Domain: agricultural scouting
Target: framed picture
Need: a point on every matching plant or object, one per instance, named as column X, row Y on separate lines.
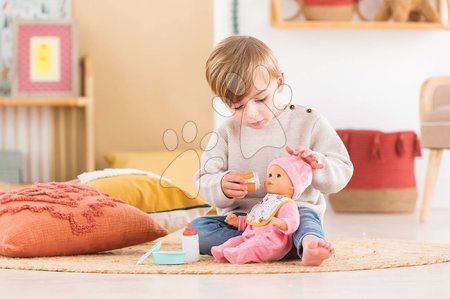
column 45, row 59
column 11, row 10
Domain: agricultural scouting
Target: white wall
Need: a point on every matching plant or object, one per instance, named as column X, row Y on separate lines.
column 356, row 78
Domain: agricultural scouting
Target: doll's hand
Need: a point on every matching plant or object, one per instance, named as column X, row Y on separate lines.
column 280, row 223
column 232, row 220
column 306, row 155
column 233, row 185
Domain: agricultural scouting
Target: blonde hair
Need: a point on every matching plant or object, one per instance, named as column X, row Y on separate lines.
column 230, row 67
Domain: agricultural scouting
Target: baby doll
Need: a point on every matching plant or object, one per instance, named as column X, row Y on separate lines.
column 269, row 226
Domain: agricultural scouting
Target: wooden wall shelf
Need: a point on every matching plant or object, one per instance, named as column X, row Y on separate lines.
column 278, row 21
column 37, row 102
column 86, row 105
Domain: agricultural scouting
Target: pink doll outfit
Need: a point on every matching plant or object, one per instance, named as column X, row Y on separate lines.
column 261, row 241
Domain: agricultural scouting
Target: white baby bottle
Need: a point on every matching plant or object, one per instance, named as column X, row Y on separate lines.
column 190, row 244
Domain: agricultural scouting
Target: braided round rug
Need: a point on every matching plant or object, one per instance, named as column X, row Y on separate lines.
column 351, row 255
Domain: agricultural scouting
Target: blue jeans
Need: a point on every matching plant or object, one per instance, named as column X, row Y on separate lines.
column 213, row 231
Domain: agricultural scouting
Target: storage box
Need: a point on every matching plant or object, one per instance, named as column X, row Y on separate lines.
column 383, row 179
column 10, row 167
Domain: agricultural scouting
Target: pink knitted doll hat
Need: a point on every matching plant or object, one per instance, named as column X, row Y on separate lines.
column 298, row 171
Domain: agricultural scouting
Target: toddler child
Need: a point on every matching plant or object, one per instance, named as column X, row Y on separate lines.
column 244, row 73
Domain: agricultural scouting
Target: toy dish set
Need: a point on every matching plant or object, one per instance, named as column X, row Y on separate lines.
column 169, row 257
column 190, row 252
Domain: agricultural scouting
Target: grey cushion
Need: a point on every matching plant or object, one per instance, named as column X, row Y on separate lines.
column 10, row 167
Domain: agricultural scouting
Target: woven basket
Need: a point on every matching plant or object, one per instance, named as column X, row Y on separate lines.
column 383, row 180
column 328, row 10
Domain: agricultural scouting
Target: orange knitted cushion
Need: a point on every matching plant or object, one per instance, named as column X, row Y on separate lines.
column 63, row 219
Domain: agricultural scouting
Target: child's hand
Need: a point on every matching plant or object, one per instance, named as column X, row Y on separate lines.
column 232, row 220
column 306, row 155
column 233, row 185
column 280, row 223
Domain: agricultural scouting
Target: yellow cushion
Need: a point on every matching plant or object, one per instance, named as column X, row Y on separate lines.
column 179, row 166
column 170, row 206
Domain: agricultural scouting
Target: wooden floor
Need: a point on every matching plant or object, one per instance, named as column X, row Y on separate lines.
column 411, row 282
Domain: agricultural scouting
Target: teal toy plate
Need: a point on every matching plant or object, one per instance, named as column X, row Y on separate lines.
column 168, row 257
column 142, row 259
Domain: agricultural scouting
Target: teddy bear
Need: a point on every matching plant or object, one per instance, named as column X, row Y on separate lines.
column 406, row 10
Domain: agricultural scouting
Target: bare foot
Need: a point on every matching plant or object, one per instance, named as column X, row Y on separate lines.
column 315, row 250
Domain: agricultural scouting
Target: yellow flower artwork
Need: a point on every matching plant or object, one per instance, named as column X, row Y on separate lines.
column 45, row 59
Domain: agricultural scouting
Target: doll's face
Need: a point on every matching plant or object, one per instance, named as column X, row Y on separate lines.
column 278, row 182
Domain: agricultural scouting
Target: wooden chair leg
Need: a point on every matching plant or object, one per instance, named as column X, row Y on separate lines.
column 434, row 161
